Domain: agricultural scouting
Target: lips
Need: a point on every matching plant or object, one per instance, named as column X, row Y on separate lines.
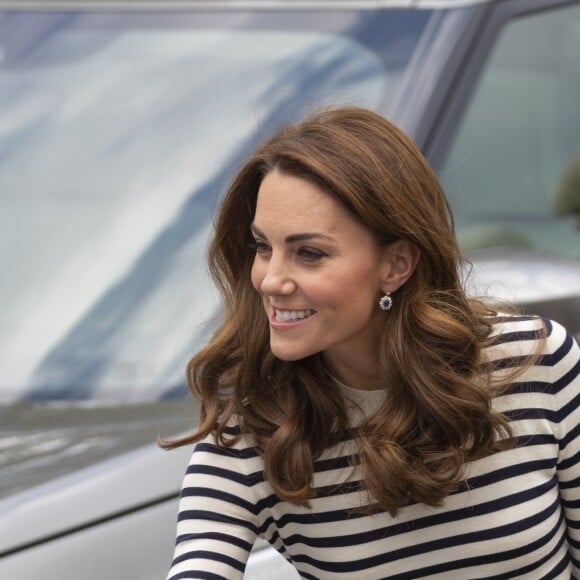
column 292, row 315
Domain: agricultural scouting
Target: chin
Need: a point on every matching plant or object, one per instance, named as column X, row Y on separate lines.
column 289, row 355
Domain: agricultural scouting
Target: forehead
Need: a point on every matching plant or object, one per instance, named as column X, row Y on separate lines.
column 288, row 201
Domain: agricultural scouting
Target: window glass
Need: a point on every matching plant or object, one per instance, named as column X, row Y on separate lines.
column 118, row 134
column 513, row 172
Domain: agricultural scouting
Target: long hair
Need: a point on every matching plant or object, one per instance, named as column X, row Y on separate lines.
column 438, row 414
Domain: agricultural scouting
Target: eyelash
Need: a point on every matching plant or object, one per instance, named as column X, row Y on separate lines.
column 259, row 247
column 311, row 255
column 308, row 255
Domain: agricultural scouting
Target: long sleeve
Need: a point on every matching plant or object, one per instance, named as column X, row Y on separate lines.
column 565, row 366
column 518, row 514
column 216, row 521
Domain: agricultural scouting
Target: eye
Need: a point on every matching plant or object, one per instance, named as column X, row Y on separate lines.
column 310, row 254
column 259, row 246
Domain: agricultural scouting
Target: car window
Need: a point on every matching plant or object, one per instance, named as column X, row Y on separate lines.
column 513, row 171
column 119, row 133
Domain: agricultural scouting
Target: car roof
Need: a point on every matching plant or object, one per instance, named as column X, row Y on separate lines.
column 165, row 5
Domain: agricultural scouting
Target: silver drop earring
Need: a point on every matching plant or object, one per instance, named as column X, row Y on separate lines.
column 386, row 301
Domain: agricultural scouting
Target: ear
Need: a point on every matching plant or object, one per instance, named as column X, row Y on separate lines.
column 400, row 260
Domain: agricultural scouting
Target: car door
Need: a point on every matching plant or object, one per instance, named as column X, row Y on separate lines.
column 507, row 147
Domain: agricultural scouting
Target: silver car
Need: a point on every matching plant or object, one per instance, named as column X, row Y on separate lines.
column 121, row 124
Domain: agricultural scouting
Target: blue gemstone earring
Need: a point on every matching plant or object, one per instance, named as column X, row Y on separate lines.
column 386, row 301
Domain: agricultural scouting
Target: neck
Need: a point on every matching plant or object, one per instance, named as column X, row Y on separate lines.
column 363, row 375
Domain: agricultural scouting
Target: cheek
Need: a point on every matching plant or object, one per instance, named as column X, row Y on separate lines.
column 360, row 287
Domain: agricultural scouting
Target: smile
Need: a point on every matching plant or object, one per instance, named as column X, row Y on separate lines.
column 288, row 315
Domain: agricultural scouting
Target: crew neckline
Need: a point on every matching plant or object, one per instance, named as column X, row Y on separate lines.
column 348, row 389
column 361, row 403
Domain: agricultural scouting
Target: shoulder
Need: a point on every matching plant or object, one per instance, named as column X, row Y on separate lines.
column 234, row 452
column 512, row 328
column 560, row 346
column 527, row 335
column 553, row 349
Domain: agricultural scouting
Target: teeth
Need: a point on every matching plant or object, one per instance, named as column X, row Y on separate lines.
column 286, row 315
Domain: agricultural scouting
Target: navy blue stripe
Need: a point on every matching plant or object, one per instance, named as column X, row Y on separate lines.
column 197, row 576
column 567, row 464
column 526, row 386
column 535, row 440
column 250, row 453
column 245, row 453
column 341, row 463
column 208, row 555
column 241, row 478
column 508, row 362
column 566, row 380
column 508, row 472
column 339, row 489
column 532, row 413
column 571, row 504
column 310, row 518
column 232, row 430
column 517, row 318
column 210, row 492
column 563, row 349
column 552, row 388
column 227, row 538
column 518, row 335
column 574, row 543
column 267, row 502
column 554, row 358
column 573, row 433
column 574, row 525
column 208, row 516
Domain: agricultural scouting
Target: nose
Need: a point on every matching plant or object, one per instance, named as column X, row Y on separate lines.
column 277, row 279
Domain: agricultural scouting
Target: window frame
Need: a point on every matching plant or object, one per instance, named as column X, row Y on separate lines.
column 447, row 119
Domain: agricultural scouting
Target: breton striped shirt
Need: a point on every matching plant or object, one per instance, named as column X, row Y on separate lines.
column 516, row 516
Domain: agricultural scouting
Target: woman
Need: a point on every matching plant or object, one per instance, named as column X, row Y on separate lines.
column 359, row 412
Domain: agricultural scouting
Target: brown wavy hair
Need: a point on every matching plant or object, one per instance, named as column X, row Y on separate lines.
column 438, row 414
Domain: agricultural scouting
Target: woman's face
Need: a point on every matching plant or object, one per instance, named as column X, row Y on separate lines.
column 318, row 272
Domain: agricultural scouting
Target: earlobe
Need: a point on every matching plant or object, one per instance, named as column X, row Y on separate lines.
column 401, row 259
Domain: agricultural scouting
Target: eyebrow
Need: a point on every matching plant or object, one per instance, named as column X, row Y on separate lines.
column 294, row 237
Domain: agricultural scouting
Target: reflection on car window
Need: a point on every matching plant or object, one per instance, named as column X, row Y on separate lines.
column 118, row 134
column 513, row 173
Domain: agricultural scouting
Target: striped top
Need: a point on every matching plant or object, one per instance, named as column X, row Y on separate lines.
column 517, row 516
